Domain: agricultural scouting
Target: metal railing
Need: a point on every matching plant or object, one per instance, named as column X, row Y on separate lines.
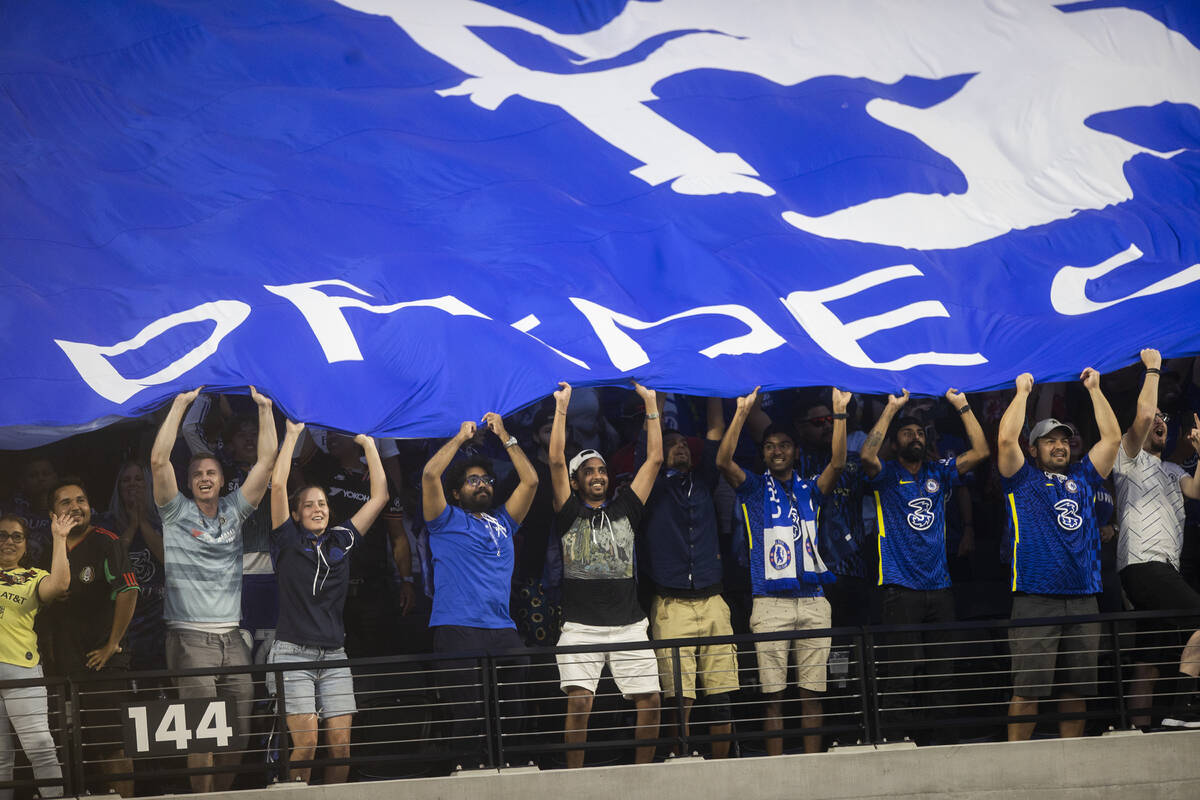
column 430, row 714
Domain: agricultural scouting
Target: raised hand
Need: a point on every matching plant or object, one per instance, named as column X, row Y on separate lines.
column 60, row 525
column 292, row 428
column 562, row 397
column 841, row 400
column 187, row 397
column 495, row 424
column 362, row 440
column 647, row 395
column 466, row 430
column 261, row 400
column 1090, row 378
column 1194, row 433
column 956, row 398
column 1025, row 383
column 897, row 402
column 745, row 403
column 1151, row 358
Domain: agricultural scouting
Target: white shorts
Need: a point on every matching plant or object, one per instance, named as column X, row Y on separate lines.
column 634, row 671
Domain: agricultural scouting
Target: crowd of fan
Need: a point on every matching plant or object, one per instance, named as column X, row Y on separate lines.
column 616, row 516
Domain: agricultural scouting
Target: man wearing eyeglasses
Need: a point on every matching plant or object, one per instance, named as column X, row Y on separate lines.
column 472, row 549
column 1150, row 495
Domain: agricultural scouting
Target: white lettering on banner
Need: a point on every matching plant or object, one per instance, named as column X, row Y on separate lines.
column 1016, row 130
column 528, row 323
column 840, row 339
column 324, row 315
column 1068, row 290
column 626, row 354
column 92, row 360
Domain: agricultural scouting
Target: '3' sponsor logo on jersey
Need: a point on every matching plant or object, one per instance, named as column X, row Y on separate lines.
column 1068, row 514
column 922, row 515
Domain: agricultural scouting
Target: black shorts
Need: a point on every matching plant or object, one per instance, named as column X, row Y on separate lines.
column 1158, row 586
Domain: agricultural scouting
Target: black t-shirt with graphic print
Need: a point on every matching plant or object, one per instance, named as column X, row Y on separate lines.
column 599, row 587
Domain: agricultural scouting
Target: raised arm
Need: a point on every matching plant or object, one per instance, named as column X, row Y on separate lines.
column 1147, row 404
column 979, row 446
column 1010, row 459
column 521, row 499
column 732, row 472
column 56, row 584
column 433, row 499
column 1190, row 484
column 161, row 470
column 255, row 485
column 283, row 468
column 643, row 481
column 1104, row 452
column 870, row 449
column 837, row 460
column 560, row 481
column 716, row 419
column 366, row 515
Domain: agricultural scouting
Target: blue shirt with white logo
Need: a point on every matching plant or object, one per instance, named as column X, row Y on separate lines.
column 1056, row 541
column 911, row 513
column 472, row 568
column 748, row 542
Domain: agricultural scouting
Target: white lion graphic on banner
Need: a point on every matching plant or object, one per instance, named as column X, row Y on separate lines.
column 1015, row 129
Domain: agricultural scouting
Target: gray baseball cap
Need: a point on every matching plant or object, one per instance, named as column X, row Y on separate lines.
column 1047, row 425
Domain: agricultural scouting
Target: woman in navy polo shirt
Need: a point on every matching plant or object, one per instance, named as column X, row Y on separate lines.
column 312, row 565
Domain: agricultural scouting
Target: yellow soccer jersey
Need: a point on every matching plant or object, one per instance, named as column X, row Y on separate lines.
column 19, row 604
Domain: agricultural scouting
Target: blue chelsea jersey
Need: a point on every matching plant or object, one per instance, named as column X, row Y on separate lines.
column 911, row 514
column 1056, row 541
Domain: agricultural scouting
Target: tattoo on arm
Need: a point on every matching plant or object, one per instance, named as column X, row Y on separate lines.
column 874, row 439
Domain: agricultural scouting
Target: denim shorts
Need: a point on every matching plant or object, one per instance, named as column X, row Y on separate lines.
column 325, row 692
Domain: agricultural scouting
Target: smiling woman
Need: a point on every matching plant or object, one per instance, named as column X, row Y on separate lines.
column 23, row 591
column 312, row 562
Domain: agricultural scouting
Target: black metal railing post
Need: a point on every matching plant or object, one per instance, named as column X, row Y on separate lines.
column 1118, row 678
column 486, row 676
column 870, row 689
column 497, row 737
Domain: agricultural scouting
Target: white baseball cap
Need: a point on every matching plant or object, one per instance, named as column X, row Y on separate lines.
column 583, row 456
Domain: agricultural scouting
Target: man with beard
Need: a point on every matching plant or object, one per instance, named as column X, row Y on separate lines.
column 684, row 559
column 87, row 628
column 1056, row 554
column 472, row 548
column 600, row 598
column 202, row 555
column 910, row 503
column 1150, row 495
column 779, row 510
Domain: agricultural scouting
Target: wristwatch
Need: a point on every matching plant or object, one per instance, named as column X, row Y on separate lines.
column 510, row 442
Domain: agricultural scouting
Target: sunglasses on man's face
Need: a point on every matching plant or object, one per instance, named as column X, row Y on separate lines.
column 1161, row 417
column 15, row 538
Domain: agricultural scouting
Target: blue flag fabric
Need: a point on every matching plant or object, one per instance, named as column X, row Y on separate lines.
column 392, row 216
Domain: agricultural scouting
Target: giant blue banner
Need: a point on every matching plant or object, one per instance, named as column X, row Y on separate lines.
column 392, row 216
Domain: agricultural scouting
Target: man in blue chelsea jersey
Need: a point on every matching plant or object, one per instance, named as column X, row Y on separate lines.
column 1056, row 554
column 911, row 493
